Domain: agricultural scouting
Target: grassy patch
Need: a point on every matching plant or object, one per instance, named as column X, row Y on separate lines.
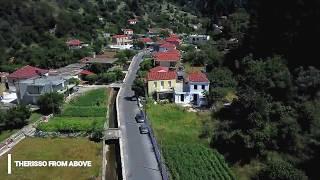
column 72, row 124
column 187, row 156
column 54, row 149
column 97, row 97
column 83, row 113
column 34, row 117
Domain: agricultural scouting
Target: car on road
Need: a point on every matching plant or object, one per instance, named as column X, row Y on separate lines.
column 140, row 118
column 144, row 129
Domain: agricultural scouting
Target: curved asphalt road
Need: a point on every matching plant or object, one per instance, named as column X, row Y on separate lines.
column 139, row 158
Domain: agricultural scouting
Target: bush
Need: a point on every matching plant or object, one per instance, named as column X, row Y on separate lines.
column 75, row 81
column 280, row 170
column 17, row 117
column 92, row 78
column 50, row 103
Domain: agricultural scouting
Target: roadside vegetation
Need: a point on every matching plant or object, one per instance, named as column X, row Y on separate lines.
column 15, row 118
column 186, row 154
column 64, row 149
column 85, row 113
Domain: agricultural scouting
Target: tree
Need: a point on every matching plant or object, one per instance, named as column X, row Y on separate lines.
column 164, row 34
column 138, row 87
column 269, row 75
column 221, row 83
column 75, row 81
column 50, row 103
column 280, row 170
column 16, row 117
column 139, row 44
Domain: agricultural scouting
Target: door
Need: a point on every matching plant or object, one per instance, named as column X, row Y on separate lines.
column 195, row 99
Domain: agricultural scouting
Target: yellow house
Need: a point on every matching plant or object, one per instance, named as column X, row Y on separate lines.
column 161, row 83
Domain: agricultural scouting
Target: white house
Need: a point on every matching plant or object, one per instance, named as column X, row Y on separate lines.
column 198, row 39
column 121, row 41
column 132, row 21
column 192, row 91
column 127, row 32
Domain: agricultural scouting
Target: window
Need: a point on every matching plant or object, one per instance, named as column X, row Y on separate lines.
column 34, row 89
column 182, row 97
column 155, row 84
column 195, row 86
column 203, row 87
column 162, row 84
column 169, row 82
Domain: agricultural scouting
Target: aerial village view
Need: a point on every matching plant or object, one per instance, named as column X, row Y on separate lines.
column 159, row 90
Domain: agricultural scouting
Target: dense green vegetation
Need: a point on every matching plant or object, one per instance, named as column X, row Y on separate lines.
column 186, row 155
column 272, row 122
column 85, row 113
column 50, row 102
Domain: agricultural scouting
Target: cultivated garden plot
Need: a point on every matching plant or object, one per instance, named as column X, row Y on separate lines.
column 82, row 114
column 186, row 155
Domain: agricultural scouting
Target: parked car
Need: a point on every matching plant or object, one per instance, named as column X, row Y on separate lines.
column 143, row 129
column 140, row 118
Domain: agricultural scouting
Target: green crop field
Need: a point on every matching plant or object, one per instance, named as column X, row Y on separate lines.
column 187, row 156
column 65, row 149
column 83, row 113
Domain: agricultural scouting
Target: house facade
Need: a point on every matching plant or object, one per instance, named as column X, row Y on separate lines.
column 192, row 90
column 75, row 44
column 198, row 39
column 28, row 91
column 161, row 82
column 24, row 73
column 128, row 32
column 121, row 39
column 132, row 21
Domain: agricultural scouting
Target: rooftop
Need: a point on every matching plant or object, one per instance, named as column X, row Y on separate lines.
column 159, row 69
column 74, row 42
column 27, row 72
column 119, row 36
column 167, row 56
column 145, row 40
column 168, row 45
column 86, row 72
column 197, row 77
column 44, row 80
column 155, row 76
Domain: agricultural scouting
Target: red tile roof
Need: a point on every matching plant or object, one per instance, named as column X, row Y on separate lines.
column 145, row 40
column 27, row 72
column 168, row 45
column 159, row 69
column 161, row 42
column 86, row 72
column 74, row 42
column 167, row 56
column 197, row 77
column 155, row 76
column 127, row 30
column 173, row 40
column 120, row 36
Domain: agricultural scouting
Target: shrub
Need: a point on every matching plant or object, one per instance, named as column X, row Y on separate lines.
column 50, row 103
